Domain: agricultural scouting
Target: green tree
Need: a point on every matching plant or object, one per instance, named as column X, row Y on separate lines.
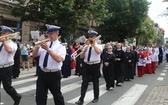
column 146, row 33
column 127, row 17
column 167, row 7
column 66, row 13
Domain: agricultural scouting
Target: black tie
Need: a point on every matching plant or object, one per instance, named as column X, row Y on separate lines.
column 88, row 59
column 46, row 57
column 1, row 47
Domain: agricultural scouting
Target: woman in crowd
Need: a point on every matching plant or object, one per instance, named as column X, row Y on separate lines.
column 66, row 67
column 129, row 64
column 108, row 68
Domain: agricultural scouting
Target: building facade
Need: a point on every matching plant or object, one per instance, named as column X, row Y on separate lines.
column 15, row 22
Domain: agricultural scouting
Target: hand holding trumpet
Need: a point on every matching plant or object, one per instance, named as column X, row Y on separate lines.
column 44, row 45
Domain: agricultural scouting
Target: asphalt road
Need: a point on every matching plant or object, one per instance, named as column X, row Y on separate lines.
column 134, row 92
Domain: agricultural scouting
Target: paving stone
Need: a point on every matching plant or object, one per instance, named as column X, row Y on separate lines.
column 157, row 96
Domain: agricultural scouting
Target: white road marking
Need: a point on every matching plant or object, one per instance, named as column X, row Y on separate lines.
column 26, row 75
column 24, row 81
column 33, row 87
column 67, row 88
column 164, row 70
column 89, row 95
column 160, row 78
column 163, row 74
column 131, row 96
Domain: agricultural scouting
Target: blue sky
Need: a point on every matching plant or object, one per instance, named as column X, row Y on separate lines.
column 156, row 9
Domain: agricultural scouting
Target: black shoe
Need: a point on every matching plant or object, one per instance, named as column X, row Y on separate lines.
column 107, row 88
column 118, row 84
column 17, row 101
column 94, row 100
column 79, row 102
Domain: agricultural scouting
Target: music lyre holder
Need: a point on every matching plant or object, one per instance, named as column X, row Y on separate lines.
column 1, row 103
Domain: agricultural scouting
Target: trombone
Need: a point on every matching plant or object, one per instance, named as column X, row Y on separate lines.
column 87, row 43
column 10, row 36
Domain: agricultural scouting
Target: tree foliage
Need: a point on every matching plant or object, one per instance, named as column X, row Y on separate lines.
column 127, row 17
column 146, row 33
column 66, row 13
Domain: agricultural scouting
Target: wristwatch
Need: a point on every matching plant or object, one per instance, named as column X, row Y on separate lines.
column 49, row 49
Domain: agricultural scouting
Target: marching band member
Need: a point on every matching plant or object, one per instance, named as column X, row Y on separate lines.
column 91, row 55
column 51, row 54
column 7, row 52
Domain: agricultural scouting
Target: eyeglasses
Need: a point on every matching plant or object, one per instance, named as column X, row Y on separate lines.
column 109, row 48
column 91, row 36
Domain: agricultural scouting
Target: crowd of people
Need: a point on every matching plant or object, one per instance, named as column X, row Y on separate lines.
column 115, row 62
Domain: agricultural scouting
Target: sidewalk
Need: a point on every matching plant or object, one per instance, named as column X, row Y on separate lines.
column 157, row 96
column 159, row 93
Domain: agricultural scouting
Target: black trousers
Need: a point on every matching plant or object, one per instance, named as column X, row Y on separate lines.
column 90, row 71
column 51, row 81
column 109, row 76
column 167, row 57
column 6, row 78
column 119, row 72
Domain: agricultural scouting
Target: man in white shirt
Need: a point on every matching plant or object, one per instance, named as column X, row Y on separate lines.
column 51, row 55
column 91, row 55
column 7, row 52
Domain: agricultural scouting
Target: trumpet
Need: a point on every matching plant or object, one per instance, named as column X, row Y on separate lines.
column 87, row 43
column 10, row 36
column 44, row 40
column 39, row 42
column 91, row 42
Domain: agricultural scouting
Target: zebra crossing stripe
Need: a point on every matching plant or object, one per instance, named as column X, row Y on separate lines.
column 131, row 96
column 26, row 89
column 67, row 88
column 33, row 87
column 89, row 95
column 24, row 81
column 26, row 75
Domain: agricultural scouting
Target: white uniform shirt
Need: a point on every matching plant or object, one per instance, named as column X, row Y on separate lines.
column 156, row 51
column 94, row 56
column 59, row 49
column 5, row 57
